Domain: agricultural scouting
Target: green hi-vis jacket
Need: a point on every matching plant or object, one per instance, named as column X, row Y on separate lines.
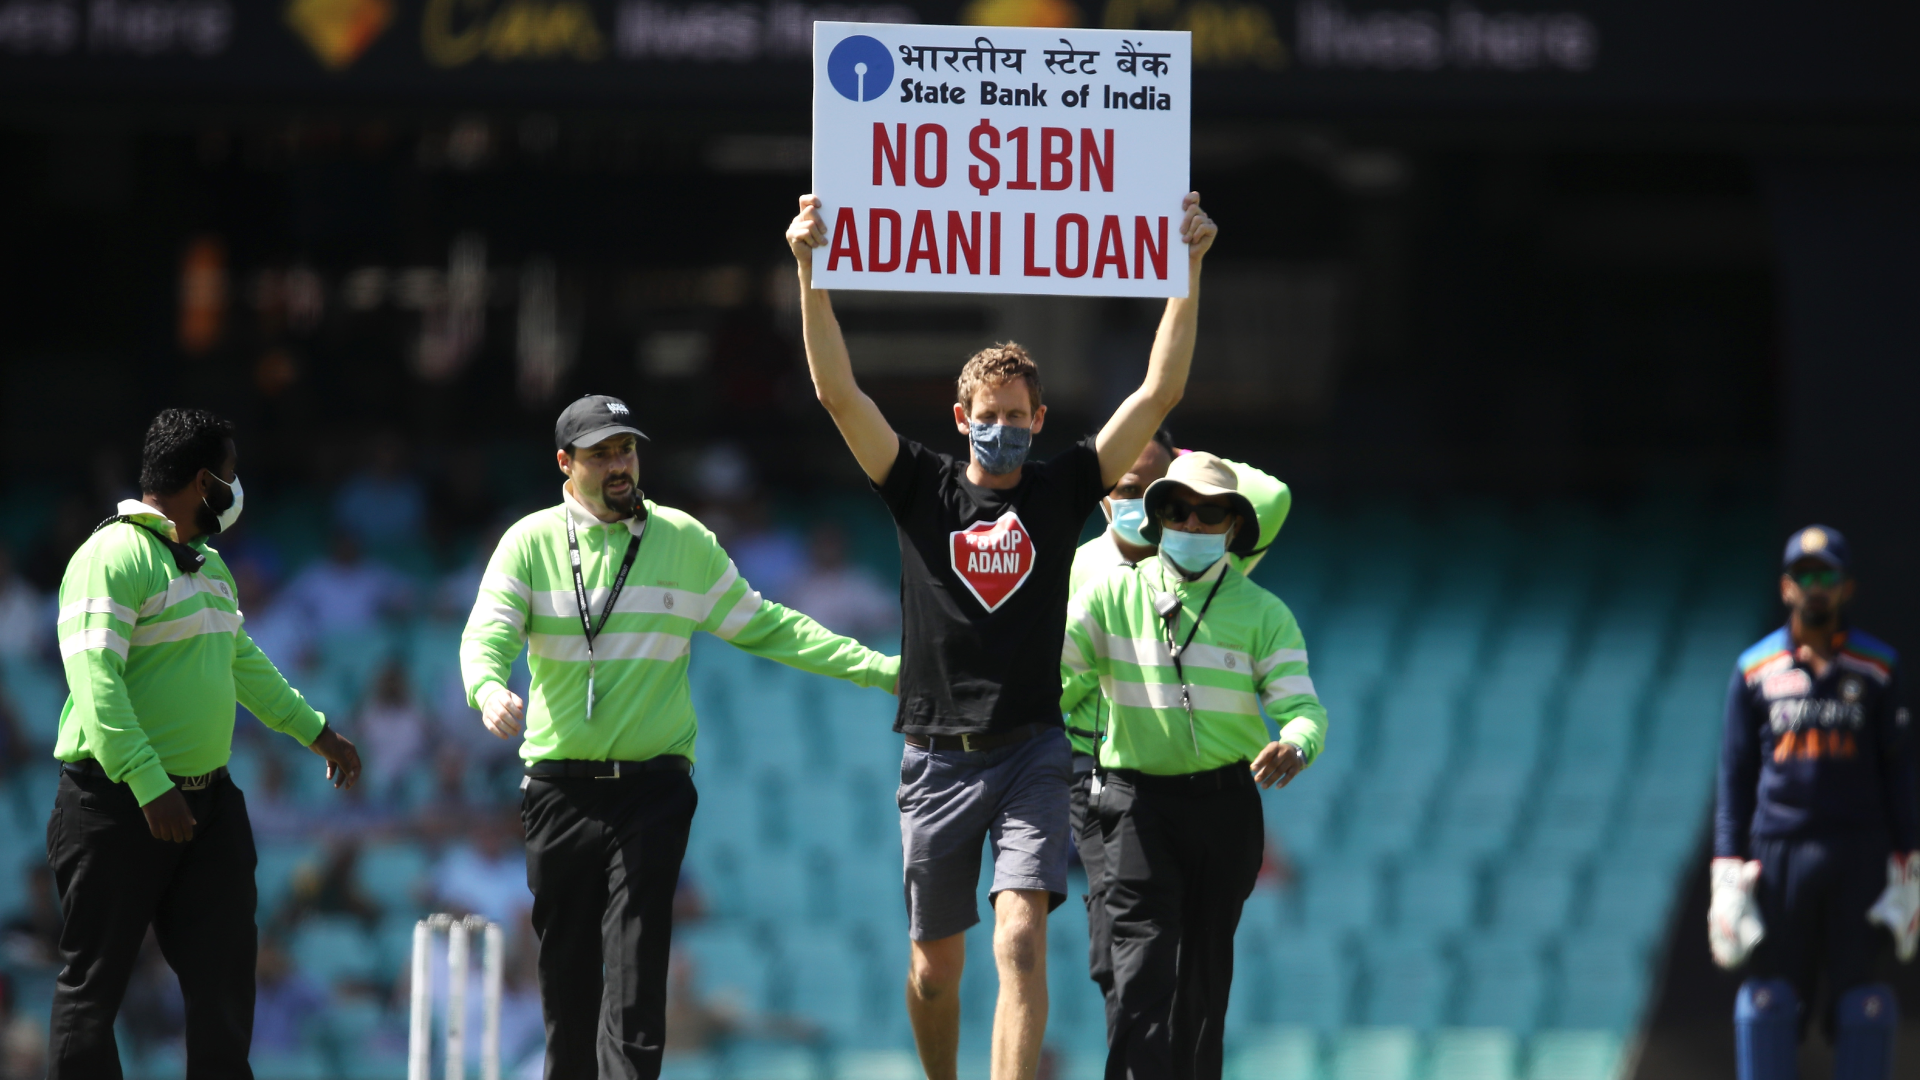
column 681, row 581
column 1100, row 556
column 155, row 659
column 1247, row 653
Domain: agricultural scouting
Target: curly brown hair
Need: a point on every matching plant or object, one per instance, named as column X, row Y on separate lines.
column 997, row 365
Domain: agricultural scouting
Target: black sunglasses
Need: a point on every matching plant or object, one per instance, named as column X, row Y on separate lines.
column 1173, row 512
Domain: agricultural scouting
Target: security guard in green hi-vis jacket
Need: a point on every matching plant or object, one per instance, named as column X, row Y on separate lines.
column 1188, row 652
column 147, row 828
column 1122, row 545
column 605, row 591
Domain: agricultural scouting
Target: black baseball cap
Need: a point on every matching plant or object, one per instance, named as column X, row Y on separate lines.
column 593, row 418
column 1817, row 542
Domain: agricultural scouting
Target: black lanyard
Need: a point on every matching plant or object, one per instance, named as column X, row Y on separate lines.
column 1167, row 624
column 188, row 560
column 580, row 595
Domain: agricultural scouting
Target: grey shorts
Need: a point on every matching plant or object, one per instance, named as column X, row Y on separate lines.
column 953, row 801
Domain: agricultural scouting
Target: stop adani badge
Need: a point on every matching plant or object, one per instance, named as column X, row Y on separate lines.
column 1001, row 159
column 993, row 558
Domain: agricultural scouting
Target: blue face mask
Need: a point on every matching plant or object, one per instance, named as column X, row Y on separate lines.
column 999, row 448
column 1128, row 516
column 1192, row 553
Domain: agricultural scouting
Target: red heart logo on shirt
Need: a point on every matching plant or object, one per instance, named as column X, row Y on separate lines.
column 993, row 558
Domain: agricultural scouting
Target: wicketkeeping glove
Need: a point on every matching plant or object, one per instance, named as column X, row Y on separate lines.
column 1733, row 918
column 1898, row 908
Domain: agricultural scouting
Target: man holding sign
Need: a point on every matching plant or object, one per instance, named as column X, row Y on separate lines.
column 986, row 545
column 1034, row 161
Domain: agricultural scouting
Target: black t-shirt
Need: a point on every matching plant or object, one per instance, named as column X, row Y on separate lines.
column 983, row 587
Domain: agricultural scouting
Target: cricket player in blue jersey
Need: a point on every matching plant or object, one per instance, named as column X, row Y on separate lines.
column 1817, row 816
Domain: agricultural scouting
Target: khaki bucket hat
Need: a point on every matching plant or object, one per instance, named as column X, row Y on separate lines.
column 1201, row 473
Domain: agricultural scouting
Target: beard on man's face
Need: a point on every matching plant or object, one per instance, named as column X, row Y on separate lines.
column 206, row 518
column 621, row 500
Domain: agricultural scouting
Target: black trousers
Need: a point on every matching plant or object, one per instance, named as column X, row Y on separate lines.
column 603, row 860
column 115, row 880
column 1092, row 847
column 1181, row 854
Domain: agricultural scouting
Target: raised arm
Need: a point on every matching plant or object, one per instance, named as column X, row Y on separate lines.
column 1137, row 418
column 867, row 432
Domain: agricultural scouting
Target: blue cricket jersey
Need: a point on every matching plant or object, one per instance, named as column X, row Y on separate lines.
column 1806, row 757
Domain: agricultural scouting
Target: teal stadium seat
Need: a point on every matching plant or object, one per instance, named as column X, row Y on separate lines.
column 1409, row 982
column 824, row 979
column 776, row 826
column 392, row 874
column 1437, row 898
column 1340, row 897
column 1532, row 899
column 1376, row 1054
column 1250, row 1005
column 393, row 937
column 729, row 964
column 1504, row 984
column 1284, row 1053
column 1603, row 984
column 787, row 886
column 690, row 1066
column 352, row 659
column 828, row 808
column 334, row 949
column 868, row 791
column 362, row 1041
column 273, row 873
column 302, row 1064
column 1473, row 1054
column 872, row 892
column 1355, row 643
column 1313, row 982
column 772, row 1061
column 37, row 693
column 1477, row 810
column 1301, row 817
column 1628, row 902
column 1574, row 1055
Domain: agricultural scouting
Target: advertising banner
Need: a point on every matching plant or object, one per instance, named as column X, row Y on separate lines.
column 1001, row 159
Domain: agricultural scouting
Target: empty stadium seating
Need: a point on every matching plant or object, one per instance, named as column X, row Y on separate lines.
column 1524, row 707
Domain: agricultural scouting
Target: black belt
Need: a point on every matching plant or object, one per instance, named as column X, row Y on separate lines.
column 607, row 770
column 1220, row 779
column 1084, row 764
column 971, row 743
column 90, row 767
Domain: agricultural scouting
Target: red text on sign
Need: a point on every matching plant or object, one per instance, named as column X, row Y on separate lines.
column 883, row 255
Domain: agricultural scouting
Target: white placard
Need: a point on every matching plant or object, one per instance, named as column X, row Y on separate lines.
column 1001, row 159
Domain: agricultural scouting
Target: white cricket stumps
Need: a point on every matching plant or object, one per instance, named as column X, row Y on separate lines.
column 420, row 1033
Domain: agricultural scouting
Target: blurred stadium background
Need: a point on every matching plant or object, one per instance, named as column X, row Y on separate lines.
column 1555, row 313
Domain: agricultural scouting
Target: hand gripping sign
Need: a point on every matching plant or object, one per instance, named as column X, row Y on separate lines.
column 1000, row 159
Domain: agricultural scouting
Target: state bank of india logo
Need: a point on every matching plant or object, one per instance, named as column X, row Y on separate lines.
column 993, row 558
column 860, row 68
